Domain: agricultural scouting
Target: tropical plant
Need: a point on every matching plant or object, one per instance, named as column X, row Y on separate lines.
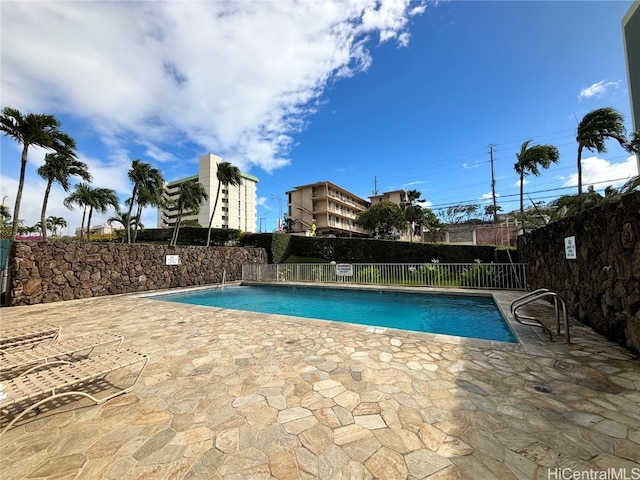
column 90, row 199
column 148, row 184
column 100, row 201
column 461, row 213
column 4, row 214
column 530, row 159
column 32, row 130
column 382, row 218
column 227, row 174
column 413, row 213
column 122, row 218
column 54, row 223
column 80, row 196
column 593, row 130
column 432, row 224
column 58, row 167
column 634, row 143
column 192, row 195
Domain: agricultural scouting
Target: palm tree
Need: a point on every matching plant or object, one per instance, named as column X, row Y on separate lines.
column 227, row 175
column 529, row 161
column 58, row 167
column 634, row 143
column 121, row 218
column 412, row 212
column 100, row 201
column 147, row 189
column 81, row 196
column 596, row 127
column 147, row 197
column 37, row 130
column 54, row 222
column 192, row 195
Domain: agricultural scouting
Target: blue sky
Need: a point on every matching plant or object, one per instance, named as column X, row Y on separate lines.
column 410, row 94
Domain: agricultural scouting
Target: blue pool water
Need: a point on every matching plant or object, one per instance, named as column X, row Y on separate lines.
column 463, row 316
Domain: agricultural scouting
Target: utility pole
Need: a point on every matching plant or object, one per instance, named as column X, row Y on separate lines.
column 493, row 187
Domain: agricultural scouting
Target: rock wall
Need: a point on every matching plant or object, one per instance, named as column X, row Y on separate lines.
column 602, row 285
column 42, row 272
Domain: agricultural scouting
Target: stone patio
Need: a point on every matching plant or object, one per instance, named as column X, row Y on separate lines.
column 236, row 395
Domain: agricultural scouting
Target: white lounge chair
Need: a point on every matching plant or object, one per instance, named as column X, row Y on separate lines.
column 26, row 393
column 15, row 361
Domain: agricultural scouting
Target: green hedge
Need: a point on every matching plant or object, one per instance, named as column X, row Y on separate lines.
column 361, row 250
column 190, row 236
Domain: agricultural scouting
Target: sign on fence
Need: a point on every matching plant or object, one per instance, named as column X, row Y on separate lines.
column 344, row 269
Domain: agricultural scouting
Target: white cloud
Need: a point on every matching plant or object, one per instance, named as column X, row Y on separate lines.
column 468, row 166
column 517, row 184
column 236, row 78
column 488, row 196
column 601, row 173
column 597, row 89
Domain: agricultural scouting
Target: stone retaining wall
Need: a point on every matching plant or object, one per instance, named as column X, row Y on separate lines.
column 42, row 272
column 602, row 286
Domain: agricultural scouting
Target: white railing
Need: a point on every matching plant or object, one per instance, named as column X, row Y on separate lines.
column 504, row 276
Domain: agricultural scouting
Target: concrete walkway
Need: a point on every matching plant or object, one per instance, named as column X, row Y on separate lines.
column 236, row 395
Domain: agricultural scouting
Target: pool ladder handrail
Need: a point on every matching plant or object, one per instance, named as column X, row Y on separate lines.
column 534, row 322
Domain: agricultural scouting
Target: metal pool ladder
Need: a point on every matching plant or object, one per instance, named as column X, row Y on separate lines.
column 534, row 322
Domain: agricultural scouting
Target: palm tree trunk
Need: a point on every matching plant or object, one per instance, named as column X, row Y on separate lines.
column 128, row 226
column 215, row 204
column 89, row 224
column 84, row 214
column 43, row 213
column 16, row 207
column 580, row 176
column 522, row 193
column 176, row 229
column 137, row 223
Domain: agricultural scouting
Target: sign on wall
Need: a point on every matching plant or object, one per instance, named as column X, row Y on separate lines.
column 570, row 252
column 172, row 260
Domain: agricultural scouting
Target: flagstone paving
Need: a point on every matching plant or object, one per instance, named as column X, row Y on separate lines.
column 237, row 395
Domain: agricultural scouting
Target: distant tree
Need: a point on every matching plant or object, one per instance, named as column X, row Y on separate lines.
column 59, row 167
column 55, row 223
column 80, row 196
column 593, row 130
column 5, row 216
column 634, row 143
column 32, row 130
column 412, row 211
column 461, row 213
column 382, row 218
column 432, row 224
column 192, row 195
column 227, row 175
column 148, row 185
column 287, row 224
column 491, row 211
column 122, row 218
column 530, row 159
column 100, row 201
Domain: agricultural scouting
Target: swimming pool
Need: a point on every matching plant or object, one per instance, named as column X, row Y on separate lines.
column 464, row 316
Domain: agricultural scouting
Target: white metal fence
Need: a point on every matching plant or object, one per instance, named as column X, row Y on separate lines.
column 509, row 276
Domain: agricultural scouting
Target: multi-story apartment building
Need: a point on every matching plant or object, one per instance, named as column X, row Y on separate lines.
column 237, row 205
column 331, row 208
column 396, row 196
column 631, row 33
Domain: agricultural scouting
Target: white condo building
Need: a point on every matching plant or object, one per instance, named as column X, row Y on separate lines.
column 237, row 205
